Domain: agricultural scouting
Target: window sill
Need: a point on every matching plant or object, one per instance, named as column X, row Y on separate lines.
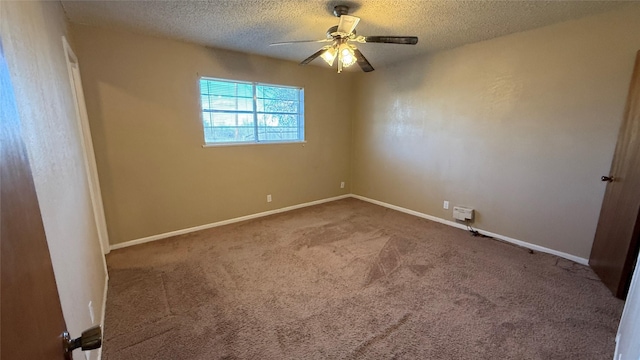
column 255, row 143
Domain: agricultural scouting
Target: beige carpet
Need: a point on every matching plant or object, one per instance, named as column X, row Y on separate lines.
column 351, row 280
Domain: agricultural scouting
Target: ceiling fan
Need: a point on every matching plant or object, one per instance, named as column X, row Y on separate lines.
column 340, row 38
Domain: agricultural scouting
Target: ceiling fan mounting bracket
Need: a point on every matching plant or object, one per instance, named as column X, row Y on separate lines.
column 340, row 10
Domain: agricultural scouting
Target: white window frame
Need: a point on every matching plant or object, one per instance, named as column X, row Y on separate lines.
column 301, row 121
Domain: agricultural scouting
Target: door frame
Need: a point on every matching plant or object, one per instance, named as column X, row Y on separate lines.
column 632, row 257
column 91, row 168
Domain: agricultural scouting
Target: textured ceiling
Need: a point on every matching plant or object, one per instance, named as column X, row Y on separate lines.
column 251, row 25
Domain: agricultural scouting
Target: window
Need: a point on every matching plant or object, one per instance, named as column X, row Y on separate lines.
column 244, row 112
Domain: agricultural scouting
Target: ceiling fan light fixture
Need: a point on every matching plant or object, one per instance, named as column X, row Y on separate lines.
column 330, row 55
column 347, row 55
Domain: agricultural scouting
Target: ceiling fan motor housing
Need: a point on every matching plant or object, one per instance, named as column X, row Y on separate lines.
column 332, row 30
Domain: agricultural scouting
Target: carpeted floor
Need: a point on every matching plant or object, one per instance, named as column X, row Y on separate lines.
column 351, row 280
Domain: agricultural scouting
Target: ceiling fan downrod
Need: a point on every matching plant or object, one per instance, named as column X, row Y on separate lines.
column 340, row 10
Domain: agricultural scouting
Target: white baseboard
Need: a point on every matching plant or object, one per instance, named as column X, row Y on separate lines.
column 221, row 223
column 524, row 244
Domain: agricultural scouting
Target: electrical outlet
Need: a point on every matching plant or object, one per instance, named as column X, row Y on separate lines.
column 342, row 185
column 91, row 313
column 269, row 198
column 446, row 205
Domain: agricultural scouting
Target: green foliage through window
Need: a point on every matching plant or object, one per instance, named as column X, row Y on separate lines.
column 243, row 112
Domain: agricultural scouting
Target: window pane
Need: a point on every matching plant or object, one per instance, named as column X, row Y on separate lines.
column 226, row 88
column 224, row 119
column 277, row 127
column 276, row 92
column 231, row 119
column 206, row 120
column 204, row 100
column 277, row 106
column 230, row 134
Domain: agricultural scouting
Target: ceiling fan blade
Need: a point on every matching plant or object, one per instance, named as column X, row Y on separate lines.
column 300, row 42
column 313, row 57
column 348, row 23
column 407, row 40
column 363, row 62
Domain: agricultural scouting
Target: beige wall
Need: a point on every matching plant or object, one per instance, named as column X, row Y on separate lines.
column 520, row 128
column 143, row 104
column 32, row 39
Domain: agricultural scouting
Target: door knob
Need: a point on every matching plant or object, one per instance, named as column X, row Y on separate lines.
column 607, row 178
column 90, row 339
